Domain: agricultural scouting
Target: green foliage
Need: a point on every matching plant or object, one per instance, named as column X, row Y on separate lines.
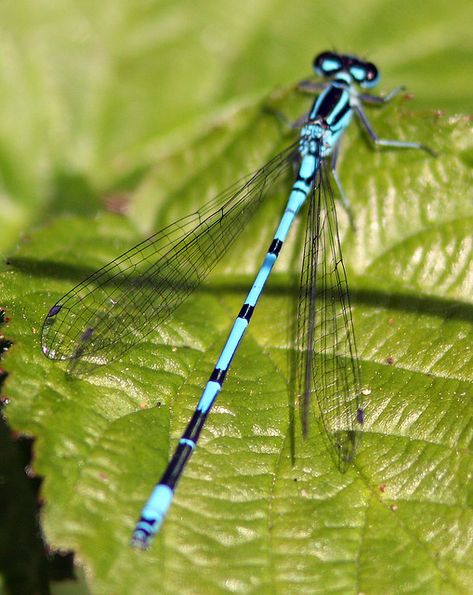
column 163, row 105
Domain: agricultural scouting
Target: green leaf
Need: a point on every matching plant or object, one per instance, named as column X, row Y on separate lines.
column 92, row 94
column 258, row 507
column 158, row 105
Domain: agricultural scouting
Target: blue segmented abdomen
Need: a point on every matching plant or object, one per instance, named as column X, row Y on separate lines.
column 152, row 515
column 320, row 135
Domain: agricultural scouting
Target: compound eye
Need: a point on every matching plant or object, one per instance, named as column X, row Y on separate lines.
column 371, row 75
column 327, row 63
column 358, row 72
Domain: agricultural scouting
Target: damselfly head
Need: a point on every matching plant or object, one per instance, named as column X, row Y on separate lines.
column 363, row 73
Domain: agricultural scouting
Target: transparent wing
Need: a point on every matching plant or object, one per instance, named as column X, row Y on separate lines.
column 121, row 303
column 328, row 367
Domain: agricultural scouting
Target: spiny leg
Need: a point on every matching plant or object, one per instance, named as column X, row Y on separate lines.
column 382, row 142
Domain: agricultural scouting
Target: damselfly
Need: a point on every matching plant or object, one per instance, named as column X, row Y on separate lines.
column 125, row 300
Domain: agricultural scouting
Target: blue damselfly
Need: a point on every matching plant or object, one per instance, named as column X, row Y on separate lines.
column 125, row 300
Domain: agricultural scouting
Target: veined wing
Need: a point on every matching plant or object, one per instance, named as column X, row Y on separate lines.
column 117, row 306
column 327, row 359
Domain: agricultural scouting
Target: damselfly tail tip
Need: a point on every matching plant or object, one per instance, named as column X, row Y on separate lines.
column 139, row 540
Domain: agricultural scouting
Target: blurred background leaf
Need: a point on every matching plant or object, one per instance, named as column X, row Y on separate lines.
column 150, row 108
column 93, row 93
